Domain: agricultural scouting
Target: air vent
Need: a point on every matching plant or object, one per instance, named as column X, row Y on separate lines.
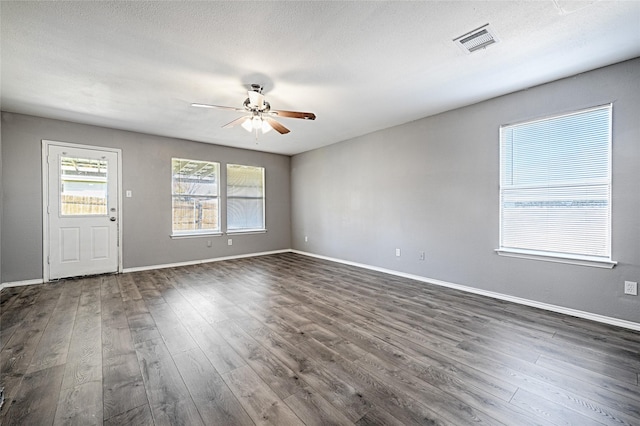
column 477, row 39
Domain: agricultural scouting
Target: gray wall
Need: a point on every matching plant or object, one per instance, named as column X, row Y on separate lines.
column 146, row 163
column 1, row 201
column 432, row 185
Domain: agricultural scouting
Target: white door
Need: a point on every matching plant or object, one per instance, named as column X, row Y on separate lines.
column 82, row 211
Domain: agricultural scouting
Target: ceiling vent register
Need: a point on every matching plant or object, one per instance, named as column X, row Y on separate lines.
column 477, row 39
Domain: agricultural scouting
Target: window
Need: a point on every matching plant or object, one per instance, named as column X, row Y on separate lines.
column 555, row 187
column 245, row 198
column 195, row 188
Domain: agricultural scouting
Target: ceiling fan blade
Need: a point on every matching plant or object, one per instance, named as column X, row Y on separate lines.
column 277, row 126
column 218, row 107
column 294, row 114
column 237, row 121
column 256, row 99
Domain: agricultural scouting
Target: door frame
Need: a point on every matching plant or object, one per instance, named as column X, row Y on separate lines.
column 45, row 200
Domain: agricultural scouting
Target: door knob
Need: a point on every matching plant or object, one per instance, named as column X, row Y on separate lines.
column 112, row 219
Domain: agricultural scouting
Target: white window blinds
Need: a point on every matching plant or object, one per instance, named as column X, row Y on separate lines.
column 245, row 198
column 555, row 189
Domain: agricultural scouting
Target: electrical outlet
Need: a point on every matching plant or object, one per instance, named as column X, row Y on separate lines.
column 229, row 242
column 421, row 255
column 306, row 238
column 398, row 252
column 208, row 243
column 631, row 288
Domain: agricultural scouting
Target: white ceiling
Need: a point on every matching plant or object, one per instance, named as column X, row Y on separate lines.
column 359, row 66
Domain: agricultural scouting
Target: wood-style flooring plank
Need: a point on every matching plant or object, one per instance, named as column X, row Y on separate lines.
column 334, row 388
column 282, row 380
column 84, row 359
column 15, row 303
column 221, row 355
column 436, row 380
column 542, row 408
column 174, row 334
column 8, row 295
column 378, row 417
column 128, row 288
column 109, row 287
column 53, row 346
column 81, row 395
column 169, row 399
column 314, row 410
column 17, row 354
column 407, row 403
column 138, row 416
column 122, row 384
column 609, row 386
column 80, row 405
column 213, row 398
column 261, row 403
column 37, row 399
column 141, row 323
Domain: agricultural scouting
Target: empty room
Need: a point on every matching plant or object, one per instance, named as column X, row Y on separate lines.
column 320, row 212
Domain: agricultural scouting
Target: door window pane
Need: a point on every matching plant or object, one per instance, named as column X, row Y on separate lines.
column 83, row 186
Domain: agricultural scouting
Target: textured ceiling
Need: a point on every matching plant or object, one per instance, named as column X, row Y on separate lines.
column 359, row 66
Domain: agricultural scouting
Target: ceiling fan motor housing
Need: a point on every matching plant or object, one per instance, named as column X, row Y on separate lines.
column 256, row 87
column 252, row 108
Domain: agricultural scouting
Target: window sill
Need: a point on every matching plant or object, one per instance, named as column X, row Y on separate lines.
column 196, row 235
column 247, row 231
column 571, row 260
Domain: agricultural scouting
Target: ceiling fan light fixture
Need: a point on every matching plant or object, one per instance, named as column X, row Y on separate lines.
column 256, row 123
column 266, row 127
column 247, row 125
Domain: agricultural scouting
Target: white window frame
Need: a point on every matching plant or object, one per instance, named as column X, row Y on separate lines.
column 263, row 198
column 576, row 259
column 195, row 232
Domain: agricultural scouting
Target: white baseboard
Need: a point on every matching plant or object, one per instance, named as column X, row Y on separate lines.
column 546, row 306
column 19, row 283
column 199, row 262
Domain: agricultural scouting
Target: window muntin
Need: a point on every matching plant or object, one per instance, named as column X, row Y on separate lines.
column 195, row 196
column 83, row 190
column 245, row 198
column 555, row 188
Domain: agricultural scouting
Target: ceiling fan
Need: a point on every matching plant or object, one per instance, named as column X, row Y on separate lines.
column 259, row 113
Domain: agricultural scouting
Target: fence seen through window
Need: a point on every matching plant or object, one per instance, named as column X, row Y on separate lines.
column 195, row 196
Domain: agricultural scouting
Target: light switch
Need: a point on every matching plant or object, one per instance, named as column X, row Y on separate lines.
column 128, row 193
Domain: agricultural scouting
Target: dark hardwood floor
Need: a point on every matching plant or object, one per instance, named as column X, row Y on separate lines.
column 287, row 339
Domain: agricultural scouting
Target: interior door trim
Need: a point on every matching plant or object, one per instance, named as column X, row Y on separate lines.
column 45, row 200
